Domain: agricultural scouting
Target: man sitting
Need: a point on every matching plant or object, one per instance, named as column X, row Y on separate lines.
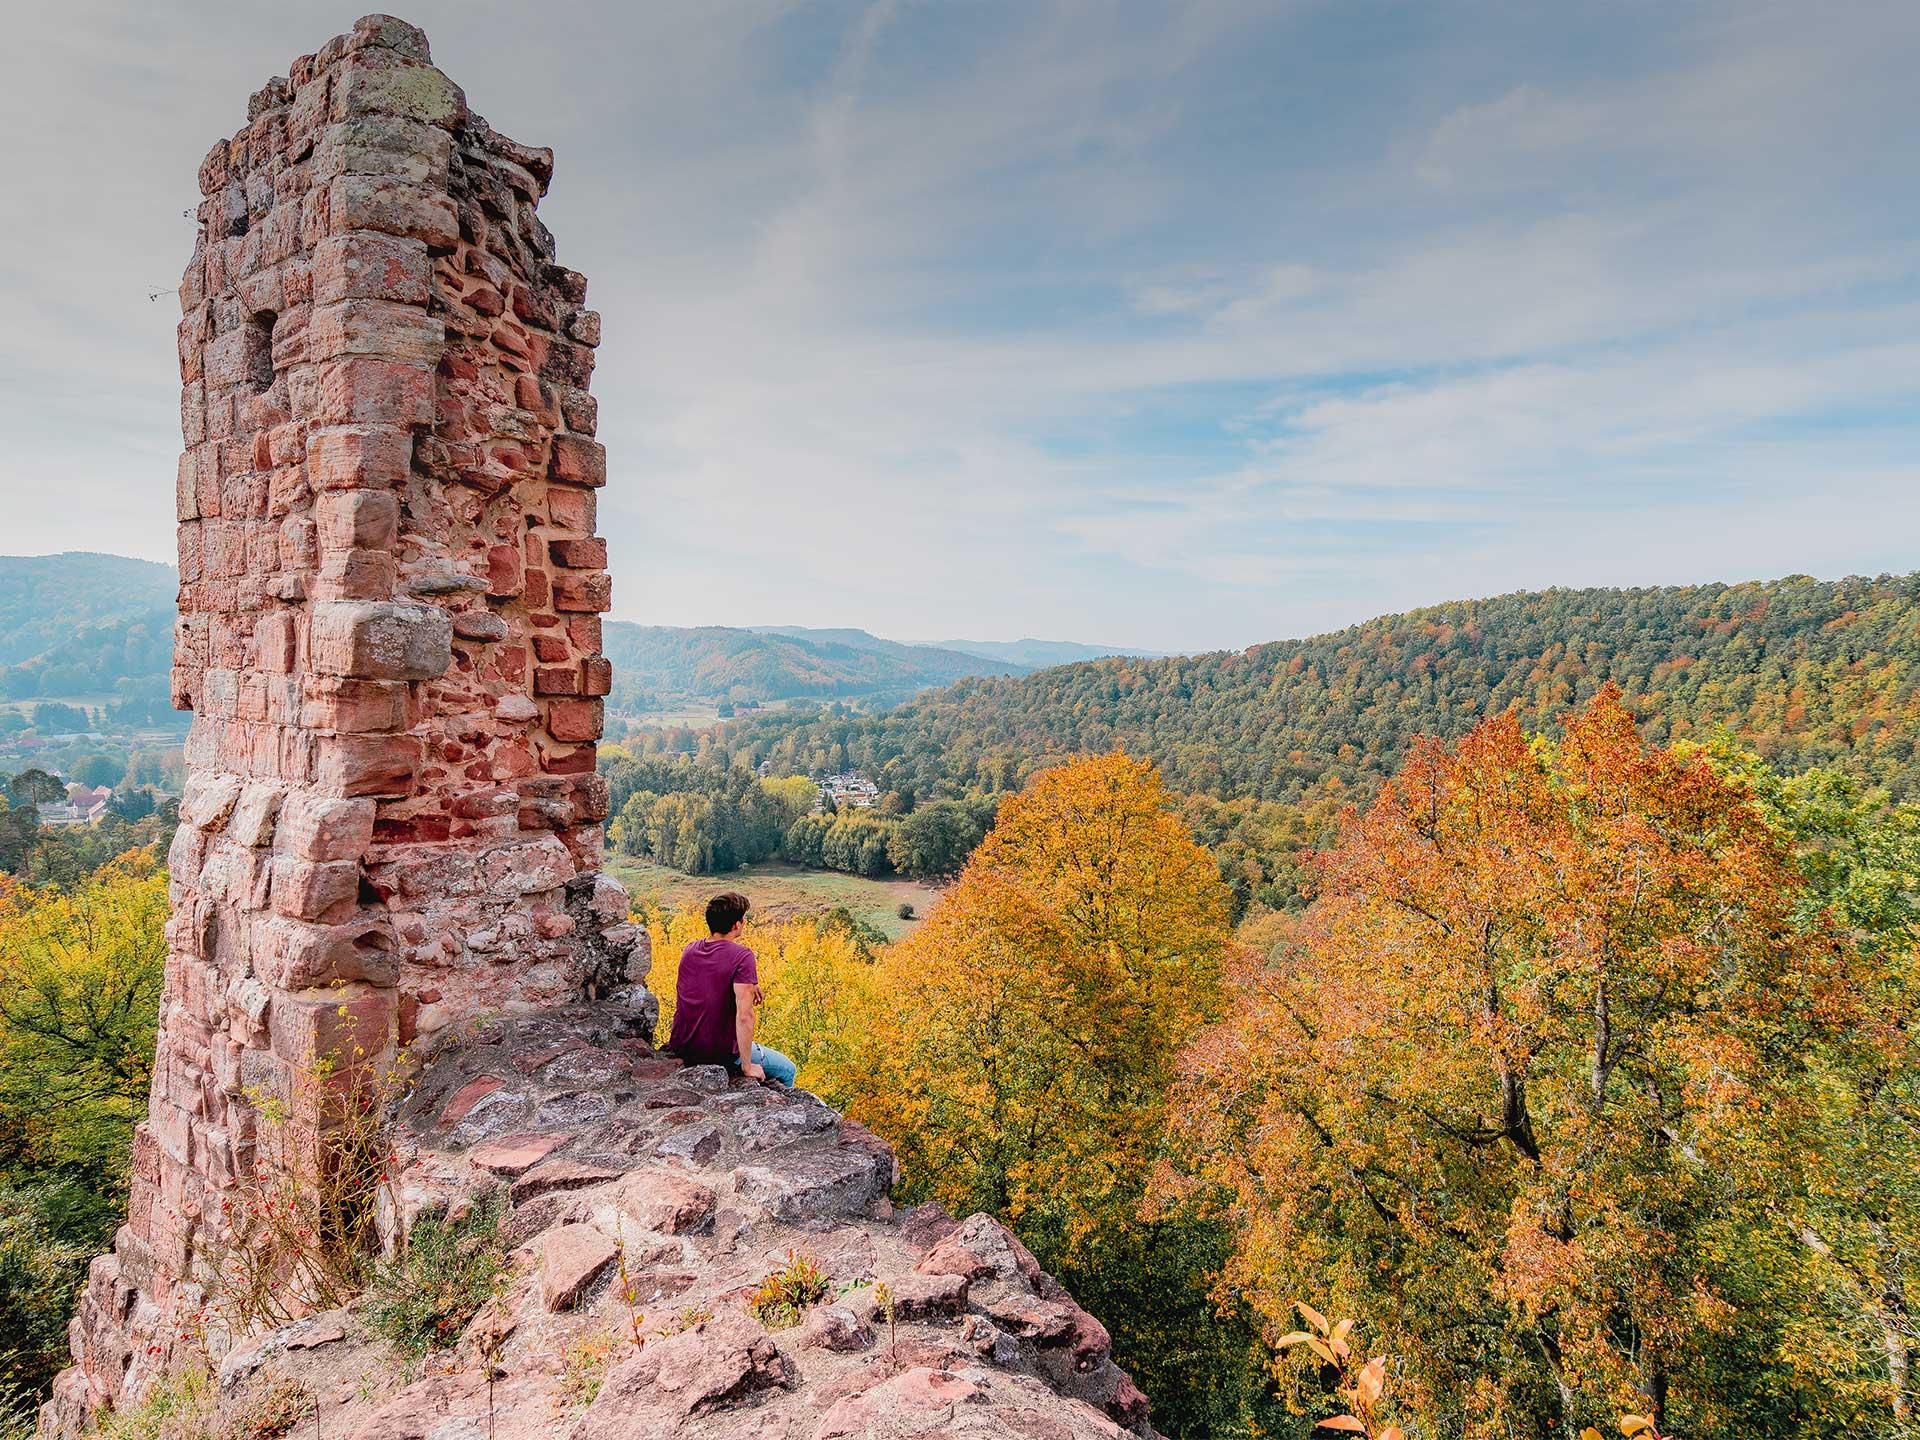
column 715, row 996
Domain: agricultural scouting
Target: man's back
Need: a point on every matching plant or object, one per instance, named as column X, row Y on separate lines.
column 704, row 1010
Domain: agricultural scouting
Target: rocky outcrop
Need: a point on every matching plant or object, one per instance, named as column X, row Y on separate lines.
column 685, row 1188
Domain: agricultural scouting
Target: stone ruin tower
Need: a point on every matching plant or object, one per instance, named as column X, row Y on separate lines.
column 389, row 636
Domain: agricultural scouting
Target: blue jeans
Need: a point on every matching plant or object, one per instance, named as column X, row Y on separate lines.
column 779, row 1068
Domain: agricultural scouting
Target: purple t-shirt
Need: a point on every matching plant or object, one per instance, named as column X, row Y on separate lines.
column 703, row 1008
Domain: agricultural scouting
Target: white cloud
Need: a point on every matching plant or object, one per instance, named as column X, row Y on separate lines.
column 1178, row 325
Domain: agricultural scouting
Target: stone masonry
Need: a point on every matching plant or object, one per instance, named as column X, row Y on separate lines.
column 389, row 635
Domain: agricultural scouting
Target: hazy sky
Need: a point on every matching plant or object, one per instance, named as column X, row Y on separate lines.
column 1178, row 326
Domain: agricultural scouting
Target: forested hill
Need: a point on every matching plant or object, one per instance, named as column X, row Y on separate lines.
column 1802, row 670
column 82, row 623
column 726, row 664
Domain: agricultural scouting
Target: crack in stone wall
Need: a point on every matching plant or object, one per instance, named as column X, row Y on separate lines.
column 389, row 636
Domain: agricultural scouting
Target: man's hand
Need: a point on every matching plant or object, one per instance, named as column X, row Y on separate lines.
column 753, row 1071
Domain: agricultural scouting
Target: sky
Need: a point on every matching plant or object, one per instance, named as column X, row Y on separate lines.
column 1174, row 326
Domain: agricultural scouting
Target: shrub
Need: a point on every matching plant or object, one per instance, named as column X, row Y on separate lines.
column 906, row 910
column 300, row 1231
column 422, row 1300
column 183, row 1406
column 785, row 1295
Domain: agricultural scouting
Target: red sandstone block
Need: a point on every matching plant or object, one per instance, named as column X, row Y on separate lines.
column 556, row 680
column 369, row 390
column 341, row 1025
column 368, row 266
column 392, row 207
column 572, row 509
column 381, row 640
column 580, row 410
column 355, row 575
column 537, row 590
column 584, row 631
column 359, row 457
column 375, row 327
column 320, row 827
column 596, row 676
column 242, row 356
column 583, row 590
column 592, row 797
column 287, row 443
column 276, row 643
column 505, row 575
column 332, row 702
column 357, row 519
column 366, row 764
column 578, row 461
column 576, row 720
column 287, row 490
column 223, row 548
column 315, row 890
column 551, row 648
column 588, row 554
column 299, row 543
column 563, row 760
column 374, row 82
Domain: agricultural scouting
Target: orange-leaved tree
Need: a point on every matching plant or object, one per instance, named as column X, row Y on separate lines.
column 1521, row 1087
column 1017, row 1048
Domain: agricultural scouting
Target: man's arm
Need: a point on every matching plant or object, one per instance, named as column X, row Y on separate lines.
column 745, row 997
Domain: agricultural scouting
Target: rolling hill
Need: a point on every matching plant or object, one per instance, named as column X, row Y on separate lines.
column 718, row 663
column 1805, row 671
column 84, row 623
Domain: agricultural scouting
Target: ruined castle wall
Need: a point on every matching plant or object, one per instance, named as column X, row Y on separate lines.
column 389, row 637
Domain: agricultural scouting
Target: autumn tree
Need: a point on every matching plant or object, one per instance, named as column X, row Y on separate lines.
column 80, row 978
column 1522, row 1086
column 1026, row 1032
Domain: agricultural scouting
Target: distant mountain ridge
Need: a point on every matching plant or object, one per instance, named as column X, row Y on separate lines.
column 719, row 662
column 1018, row 655
column 84, row 623
column 1043, row 654
column 45, row 599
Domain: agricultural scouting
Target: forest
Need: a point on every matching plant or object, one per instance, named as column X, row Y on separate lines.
column 1265, row 747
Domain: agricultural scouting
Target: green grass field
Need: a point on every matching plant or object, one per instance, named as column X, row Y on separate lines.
column 781, row 891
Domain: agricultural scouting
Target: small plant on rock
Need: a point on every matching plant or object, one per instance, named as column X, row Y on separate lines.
column 685, row 1319
column 182, row 1406
column 268, row 1409
column 883, row 1297
column 785, row 1295
column 628, row 1289
column 422, row 1300
column 583, row 1366
column 298, row 1233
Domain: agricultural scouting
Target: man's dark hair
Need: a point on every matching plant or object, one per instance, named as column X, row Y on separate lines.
column 726, row 911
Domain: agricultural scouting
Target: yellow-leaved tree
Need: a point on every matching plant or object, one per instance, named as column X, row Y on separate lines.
column 1017, row 1048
